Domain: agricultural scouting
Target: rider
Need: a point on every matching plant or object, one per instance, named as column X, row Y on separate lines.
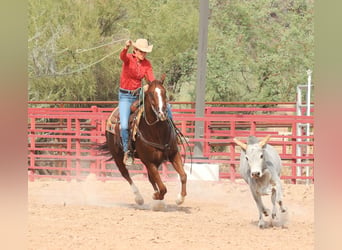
column 135, row 67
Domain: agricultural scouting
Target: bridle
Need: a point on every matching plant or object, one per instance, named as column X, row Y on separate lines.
column 150, row 96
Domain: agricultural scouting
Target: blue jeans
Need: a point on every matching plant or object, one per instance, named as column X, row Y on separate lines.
column 168, row 111
column 125, row 102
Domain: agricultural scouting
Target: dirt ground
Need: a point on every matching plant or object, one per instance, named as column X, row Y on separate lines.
column 215, row 215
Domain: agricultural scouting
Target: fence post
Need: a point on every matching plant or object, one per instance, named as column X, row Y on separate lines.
column 32, row 143
column 253, row 128
column 294, row 152
column 68, row 150
column 93, row 141
column 30, row 175
column 78, row 147
column 32, row 149
column 232, row 168
column 207, row 133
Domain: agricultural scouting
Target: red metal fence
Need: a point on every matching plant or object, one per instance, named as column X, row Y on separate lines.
column 60, row 139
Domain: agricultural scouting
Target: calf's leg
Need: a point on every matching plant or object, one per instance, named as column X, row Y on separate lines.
column 279, row 195
column 261, row 208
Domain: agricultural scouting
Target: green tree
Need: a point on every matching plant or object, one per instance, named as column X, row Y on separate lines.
column 258, row 50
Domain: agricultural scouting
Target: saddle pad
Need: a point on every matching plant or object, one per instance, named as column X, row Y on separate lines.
column 136, row 122
column 113, row 121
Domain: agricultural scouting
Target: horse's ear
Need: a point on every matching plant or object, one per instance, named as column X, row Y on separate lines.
column 163, row 78
column 147, row 81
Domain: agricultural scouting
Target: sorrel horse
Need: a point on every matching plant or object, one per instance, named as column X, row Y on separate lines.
column 155, row 142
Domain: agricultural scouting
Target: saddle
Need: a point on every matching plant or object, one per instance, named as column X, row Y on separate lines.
column 113, row 121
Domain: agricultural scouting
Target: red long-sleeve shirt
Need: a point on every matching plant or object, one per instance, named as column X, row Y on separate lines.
column 133, row 71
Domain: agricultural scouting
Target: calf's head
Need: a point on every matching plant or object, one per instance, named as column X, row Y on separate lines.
column 254, row 153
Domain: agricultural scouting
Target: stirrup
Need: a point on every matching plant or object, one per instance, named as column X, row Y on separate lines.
column 128, row 159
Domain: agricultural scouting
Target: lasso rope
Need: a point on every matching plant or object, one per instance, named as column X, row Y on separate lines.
column 87, row 66
column 67, row 72
column 96, row 62
column 106, row 44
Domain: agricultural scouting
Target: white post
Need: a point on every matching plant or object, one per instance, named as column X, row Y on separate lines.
column 299, row 131
column 308, row 109
column 308, row 95
column 201, row 75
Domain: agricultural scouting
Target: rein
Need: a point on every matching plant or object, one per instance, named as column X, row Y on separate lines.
column 153, row 144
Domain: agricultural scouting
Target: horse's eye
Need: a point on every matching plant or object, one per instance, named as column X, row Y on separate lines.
column 246, row 158
column 261, row 156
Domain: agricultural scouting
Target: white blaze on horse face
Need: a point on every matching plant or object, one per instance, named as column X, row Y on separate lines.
column 254, row 156
column 161, row 113
column 160, row 100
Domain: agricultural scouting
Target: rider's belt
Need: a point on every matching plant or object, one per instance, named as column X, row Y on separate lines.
column 132, row 92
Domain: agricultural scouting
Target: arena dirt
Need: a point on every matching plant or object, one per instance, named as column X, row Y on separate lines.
column 215, row 215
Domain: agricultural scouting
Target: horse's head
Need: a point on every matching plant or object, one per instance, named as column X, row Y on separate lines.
column 156, row 97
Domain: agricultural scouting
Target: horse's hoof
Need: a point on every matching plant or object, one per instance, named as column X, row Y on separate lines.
column 158, row 205
column 155, row 196
column 139, row 200
column 261, row 224
column 180, row 199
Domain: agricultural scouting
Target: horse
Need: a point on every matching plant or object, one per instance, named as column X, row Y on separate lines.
column 155, row 142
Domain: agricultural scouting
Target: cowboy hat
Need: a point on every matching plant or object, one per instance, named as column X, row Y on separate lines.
column 142, row 45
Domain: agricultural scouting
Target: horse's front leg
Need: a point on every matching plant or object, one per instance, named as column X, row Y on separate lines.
column 159, row 188
column 155, row 188
column 155, row 179
column 178, row 166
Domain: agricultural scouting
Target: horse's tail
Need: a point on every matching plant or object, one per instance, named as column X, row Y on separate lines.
column 103, row 150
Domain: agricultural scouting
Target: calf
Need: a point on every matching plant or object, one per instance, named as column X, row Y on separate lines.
column 260, row 167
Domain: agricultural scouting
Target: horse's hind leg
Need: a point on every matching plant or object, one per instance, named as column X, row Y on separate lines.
column 138, row 197
column 124, row 172
column 113, row 143
column 178, row 166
